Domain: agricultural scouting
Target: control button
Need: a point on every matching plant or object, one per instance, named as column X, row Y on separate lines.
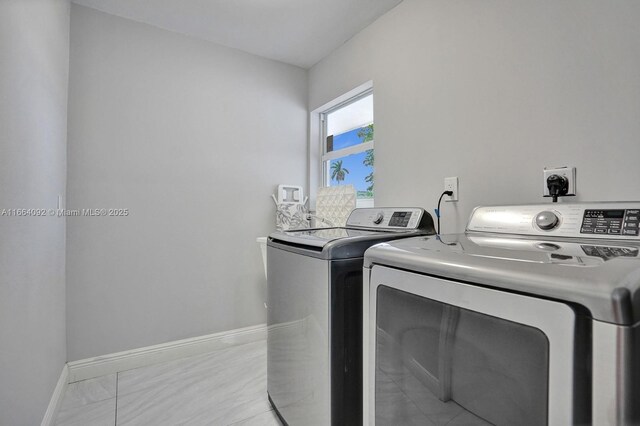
column 586, row 231
column 631, row 225
column 632, row 218
column 379, row 218
column 633, row 211
column 614, row 231
column 547, row 220
column 630, row 232
column 601, row 231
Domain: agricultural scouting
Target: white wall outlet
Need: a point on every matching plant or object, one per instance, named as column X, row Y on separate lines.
column 567, row 172
column 451, row 184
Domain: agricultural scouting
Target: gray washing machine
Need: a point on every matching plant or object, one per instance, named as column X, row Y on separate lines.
column 314, row 314
column 531, row 317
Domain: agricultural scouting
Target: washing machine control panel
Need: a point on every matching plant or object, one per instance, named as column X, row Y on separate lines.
column 389, row 218
column 608, row 220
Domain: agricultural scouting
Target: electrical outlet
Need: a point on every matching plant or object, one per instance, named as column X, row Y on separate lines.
column 568, row 172
column 451, row 184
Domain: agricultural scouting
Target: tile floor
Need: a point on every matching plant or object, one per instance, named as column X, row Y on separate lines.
column 226, row 387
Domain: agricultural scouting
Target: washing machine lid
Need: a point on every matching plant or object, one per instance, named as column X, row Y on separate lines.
column 600, row 275
column 365, row 227
column 319, row 237
column 334, row 243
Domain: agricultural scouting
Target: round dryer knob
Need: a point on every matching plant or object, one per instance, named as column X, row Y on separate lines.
column 379, row 218
column 547, row 220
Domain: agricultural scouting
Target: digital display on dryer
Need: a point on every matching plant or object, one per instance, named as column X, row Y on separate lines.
column 604, row 214
column 613, row 222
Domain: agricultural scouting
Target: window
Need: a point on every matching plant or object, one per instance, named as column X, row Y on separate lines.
column 348, row 146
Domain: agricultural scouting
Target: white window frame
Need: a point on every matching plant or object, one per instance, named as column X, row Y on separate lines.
column 317, row 139
column 354, row 149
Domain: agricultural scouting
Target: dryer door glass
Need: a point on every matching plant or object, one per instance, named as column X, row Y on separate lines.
column 440, row 364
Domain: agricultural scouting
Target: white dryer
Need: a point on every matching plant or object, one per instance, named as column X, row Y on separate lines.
column 531, row 317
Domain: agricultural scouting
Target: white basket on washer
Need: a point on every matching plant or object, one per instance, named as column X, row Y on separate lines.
column 291, row 210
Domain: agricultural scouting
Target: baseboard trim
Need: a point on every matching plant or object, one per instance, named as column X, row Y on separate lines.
column 113, row 363
column 56, row 398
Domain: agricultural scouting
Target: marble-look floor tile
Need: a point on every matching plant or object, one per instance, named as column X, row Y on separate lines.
column 102, row 413
column 265, row 419
column 89, row 391
column 221, row 388
column 151, row 376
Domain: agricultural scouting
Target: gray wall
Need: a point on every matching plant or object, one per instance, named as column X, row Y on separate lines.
column 493, row 91
column 34, row 61
column 192, row 138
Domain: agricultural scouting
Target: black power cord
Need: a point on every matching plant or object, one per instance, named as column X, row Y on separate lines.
column 449, row 193
column 558, row 186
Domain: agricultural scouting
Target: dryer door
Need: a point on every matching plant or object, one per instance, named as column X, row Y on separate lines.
column 443, row 352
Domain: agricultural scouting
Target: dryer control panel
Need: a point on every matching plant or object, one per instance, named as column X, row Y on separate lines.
column 608, row 220
column 611, row 222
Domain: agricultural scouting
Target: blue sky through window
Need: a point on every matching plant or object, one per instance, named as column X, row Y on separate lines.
column 354, row 163
column 357, row 171
column 346, row 139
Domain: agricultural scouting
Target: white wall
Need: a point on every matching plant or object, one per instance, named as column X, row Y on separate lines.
column 493, row 91
column 34, row 61
column 192, row 138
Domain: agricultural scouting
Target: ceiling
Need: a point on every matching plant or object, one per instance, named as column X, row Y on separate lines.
column 298, row 32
